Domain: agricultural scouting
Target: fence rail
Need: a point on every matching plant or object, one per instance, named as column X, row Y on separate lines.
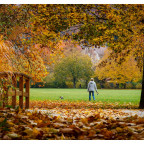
column 16, row 77
column 18, row 93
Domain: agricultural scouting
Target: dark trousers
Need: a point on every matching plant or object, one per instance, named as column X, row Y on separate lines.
column 91, row 92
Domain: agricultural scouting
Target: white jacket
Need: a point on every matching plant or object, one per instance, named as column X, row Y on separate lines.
column 92, row 86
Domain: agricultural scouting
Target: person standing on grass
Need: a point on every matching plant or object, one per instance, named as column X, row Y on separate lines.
column 91, row 87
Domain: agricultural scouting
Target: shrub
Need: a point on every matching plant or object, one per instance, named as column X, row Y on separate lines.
column 122, row 85
column 129, row 86
column 139, row 86
column 50, row 85
column 82, row 83
column 98, row 86
column 113, row 85
column 107, row 85
column 69, row 84
column 134, row 84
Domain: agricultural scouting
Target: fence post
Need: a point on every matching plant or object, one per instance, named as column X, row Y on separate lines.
column 21, row 81
column 27, row 91
column 14, row 82
column 5, row 101
column 4, row 95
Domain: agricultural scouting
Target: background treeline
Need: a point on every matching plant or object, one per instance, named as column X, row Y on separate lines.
column 82, row 84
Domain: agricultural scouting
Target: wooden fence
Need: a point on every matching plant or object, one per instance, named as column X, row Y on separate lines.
column 14, row 92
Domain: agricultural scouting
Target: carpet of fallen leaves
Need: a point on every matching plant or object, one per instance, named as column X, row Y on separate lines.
column 81, row 104
column 70, row 122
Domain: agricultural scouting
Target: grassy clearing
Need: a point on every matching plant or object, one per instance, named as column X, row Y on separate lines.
column 105, row 95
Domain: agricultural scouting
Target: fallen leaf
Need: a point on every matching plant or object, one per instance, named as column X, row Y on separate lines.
column 58, row 125
column 14, row 135
column 67, row 131
column 6, row 137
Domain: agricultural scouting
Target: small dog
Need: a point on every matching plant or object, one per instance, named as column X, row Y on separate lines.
column 61, row 97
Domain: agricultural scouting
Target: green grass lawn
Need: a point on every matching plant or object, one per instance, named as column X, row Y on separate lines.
column 105, row 95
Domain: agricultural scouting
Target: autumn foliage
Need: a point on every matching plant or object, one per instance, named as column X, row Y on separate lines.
column 32, row 37
column 128, row 71
column 27, row 61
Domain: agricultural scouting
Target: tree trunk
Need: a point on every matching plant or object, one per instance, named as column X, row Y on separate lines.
column 86, row 83
column 74, row 82
column 124, row 85
column 141, row 105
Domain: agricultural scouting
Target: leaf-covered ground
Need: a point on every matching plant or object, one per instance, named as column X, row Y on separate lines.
column 50, row 104
column 71, row 123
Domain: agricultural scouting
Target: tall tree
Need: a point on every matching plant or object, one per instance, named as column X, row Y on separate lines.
column 121, row 27
column 30, row 42
column 73, row 67
column 128, row 71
